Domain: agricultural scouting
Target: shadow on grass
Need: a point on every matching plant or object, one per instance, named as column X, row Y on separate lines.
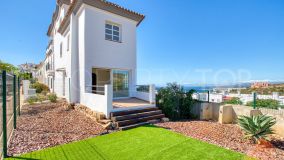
column 154, row 126
column 22, row 158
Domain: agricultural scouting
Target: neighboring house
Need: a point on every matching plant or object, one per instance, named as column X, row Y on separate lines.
column 260, row 85
column 40, row 73
column 91, row 56
column 28, row 68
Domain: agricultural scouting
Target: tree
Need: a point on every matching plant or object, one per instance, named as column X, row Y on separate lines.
column 175, row 102
column 9, row 68
column 14, row 70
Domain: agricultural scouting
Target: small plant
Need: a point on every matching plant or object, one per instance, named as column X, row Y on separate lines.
column 32, row 100
column 41, row 97
column 44, row 93
column 234, row 100
column 52, row 97
column 257, row 127
column 40, row 87
column 266, row 103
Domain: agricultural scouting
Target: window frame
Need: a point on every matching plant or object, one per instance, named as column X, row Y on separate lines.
column 61, row 49
column 115, row 32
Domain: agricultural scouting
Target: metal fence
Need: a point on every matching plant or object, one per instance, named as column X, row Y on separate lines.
column 10, row 108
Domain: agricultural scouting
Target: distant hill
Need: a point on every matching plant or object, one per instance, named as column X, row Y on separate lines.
column 266, row 91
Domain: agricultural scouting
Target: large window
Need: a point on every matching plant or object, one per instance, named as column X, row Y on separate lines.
column 120, row 84
column 112, row 32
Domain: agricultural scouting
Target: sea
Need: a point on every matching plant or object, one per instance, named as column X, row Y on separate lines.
column 196, row 88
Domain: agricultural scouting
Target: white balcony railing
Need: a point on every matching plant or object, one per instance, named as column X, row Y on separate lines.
column 146, row 92
column 98, row 98
column 96, row 89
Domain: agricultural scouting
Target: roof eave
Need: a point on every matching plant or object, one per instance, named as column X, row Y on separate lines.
column 107, row 6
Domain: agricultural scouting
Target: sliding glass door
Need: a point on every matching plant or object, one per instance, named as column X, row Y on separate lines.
column 120, row 83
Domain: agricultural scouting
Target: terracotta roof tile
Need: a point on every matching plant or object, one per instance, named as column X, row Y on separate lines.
column 139, row 17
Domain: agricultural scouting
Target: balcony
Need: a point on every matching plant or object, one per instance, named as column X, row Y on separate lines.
column 49, row 70
column 50, row 47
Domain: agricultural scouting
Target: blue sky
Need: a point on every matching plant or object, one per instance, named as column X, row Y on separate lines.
column 187, row 41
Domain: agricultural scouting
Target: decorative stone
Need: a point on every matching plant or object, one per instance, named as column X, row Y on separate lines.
column 165, row 120
column 90, row 113
column 226, row 114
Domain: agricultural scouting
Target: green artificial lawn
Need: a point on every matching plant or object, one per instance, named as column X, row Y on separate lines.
column 143, row 143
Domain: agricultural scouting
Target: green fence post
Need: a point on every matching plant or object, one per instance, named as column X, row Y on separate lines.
column 19, row 95
column 4, row 123
column 15, row 102
column 254, row 100
column 208, row 92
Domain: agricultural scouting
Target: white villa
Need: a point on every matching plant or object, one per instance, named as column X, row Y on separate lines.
column 91, row 56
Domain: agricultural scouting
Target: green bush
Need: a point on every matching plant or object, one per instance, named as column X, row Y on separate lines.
column 32, row 100
column 175, row 103
column 44, row 93
column 257, row 127
column 40, row 87
column 266, row 103
column 52, row 97
column 41, row 97
column 234, row 100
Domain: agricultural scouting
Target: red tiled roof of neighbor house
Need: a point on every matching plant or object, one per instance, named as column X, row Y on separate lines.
column 260, row 85
column 104, row 5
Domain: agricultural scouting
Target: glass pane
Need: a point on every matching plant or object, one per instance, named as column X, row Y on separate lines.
column 108, row 31
column 116, row 28
column 108, row 26
column 115, row 38
column 115, row 33
column 120, row 84
column 108, row 37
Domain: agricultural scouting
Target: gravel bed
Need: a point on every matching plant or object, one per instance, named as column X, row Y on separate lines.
column 47, row 125
column 228, row 136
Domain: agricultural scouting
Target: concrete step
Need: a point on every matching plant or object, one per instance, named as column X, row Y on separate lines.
column 139, row 120
column 136, row 115
column 133, row 126
column 132, row 111
column 104, row 121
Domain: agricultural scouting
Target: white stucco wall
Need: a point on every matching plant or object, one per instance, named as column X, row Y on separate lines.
column 61, row 62
column 103, row 53
column 89, row 49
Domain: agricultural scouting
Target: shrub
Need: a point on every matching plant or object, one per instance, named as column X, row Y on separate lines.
column 40, row 87
column 32, row 100
column 265, row 103
column 234, row 100
column 257, row 127
column 175, row 102
column 52, row 97
column 33, row 80
column 41, row 97
column 44, row 93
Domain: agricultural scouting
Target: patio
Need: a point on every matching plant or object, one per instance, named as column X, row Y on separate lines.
column 131, row 103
